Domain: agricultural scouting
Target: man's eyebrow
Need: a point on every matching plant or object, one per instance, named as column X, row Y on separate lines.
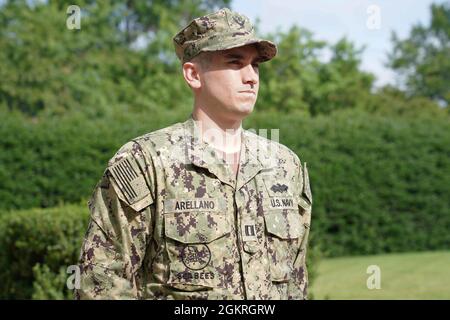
column 238, row 56
column 234, row 56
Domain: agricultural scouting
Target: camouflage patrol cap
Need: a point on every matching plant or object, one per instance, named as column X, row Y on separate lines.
column 220, row 30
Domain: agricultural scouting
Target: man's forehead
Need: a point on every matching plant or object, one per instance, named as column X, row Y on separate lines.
column 248, row 51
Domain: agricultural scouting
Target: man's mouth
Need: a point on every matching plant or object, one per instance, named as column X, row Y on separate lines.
column 248, row 91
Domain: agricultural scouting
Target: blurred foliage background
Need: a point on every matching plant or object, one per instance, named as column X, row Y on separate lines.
column 379, row 158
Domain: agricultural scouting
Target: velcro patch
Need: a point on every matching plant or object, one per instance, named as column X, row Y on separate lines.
column 249, row 232
column 188, row 205
column 282, row 203
column 130, row 181
column 279, row 188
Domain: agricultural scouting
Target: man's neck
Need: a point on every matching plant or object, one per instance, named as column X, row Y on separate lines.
column 222, row 134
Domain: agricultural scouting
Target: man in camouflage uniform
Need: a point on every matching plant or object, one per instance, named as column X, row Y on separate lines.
column 173, row 218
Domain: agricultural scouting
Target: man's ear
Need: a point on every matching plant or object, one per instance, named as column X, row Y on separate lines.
column 191, row 73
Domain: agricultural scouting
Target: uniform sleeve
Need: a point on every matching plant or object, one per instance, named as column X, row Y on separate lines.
column 119, row 228
column 298, row 285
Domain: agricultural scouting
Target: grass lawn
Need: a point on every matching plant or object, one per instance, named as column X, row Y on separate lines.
column 424, row 275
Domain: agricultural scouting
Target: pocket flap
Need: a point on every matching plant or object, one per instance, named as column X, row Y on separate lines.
column 195, row 227
column 284, row 224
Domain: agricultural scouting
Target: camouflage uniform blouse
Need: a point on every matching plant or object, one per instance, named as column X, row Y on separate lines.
column 170, row 221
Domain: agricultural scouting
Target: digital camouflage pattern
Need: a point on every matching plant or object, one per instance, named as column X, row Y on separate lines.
column 169, row 220
column 224, row 29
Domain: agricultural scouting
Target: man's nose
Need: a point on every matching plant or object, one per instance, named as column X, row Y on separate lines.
column 250, row 75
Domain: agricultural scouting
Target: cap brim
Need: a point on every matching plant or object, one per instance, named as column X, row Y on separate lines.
column 266, row 49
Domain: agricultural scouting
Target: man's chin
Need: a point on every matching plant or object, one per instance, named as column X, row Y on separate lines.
column 238, row 113
column 245, row 110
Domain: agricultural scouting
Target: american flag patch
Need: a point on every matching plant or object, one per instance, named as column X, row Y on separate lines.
column 129, row 180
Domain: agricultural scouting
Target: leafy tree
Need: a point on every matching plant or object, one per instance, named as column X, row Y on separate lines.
column 422, row 59
column 342, row 84
column 284, row 81
column 122, row 60
column 49, row 70
column 301, row 79
column 390, row 100
column 152, row 16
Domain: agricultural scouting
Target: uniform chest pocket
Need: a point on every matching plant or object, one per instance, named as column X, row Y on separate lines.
column 284, row 233
column 197, row 247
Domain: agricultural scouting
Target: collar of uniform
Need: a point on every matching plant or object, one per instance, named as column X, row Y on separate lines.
column 255, row 157
column 202, row 155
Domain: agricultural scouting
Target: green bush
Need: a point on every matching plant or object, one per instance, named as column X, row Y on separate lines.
column 57, row 160
column 37, row 246
column 49, row 285
column 379, row 180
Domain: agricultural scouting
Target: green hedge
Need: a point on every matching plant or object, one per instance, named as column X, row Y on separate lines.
column 36, row 248
column 60, row 160
column 380, row 182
